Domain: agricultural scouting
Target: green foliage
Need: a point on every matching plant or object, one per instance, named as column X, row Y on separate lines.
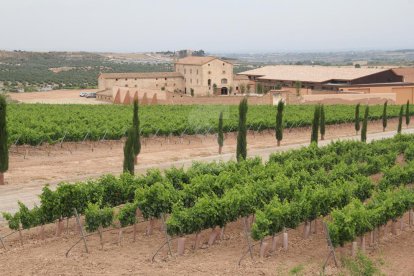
column 242, row 131
column 279, row 121
column 384, row 116
column 407, row 113
column 361, row 265
column 400, row 120
column 220, row 135
column 28, row 218
column 298, row 87
column 177, row 177
column 259, row 88
column 365, row 125
column 357, row 118
column 96, row 217
column 397, row 176
column 129, row 157
column 297, row 270
column 36, row 123
column 322, row 123
column 50, row 204
column 409, row 153
column 127, row 214
column 356, row 219
column 315, row 125
column 32, row 69
column 137, row 130
column 13, row 220
column 4, row 149
column 156, row 200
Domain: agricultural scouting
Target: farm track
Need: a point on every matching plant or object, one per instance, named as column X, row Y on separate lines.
column 33, row 167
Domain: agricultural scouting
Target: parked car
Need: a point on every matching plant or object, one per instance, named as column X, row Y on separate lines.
column 83, row 94
column 91, row 95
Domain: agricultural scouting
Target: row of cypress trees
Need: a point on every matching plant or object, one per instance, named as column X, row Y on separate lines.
column 384, row 119
column 318, row 124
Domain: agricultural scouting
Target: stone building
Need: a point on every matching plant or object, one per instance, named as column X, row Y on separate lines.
column 198, row 76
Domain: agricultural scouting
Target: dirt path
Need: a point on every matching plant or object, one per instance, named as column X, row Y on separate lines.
column 31, row 168
column 56, row 97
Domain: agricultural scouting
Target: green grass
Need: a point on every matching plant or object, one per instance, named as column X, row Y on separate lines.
column 362, row 265
column 297, row 270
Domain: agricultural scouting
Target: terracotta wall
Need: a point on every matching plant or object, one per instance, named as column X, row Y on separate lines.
column 346, row 98
column 123, row 95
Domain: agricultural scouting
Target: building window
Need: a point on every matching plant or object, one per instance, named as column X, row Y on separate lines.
column 126, row 85
column 156, row 78
column 209, row 64
column 224, row 64
column 209, row 82
column 224, row 72
column 223, row 81
column 209, row 72
column 174, row 84
column 135, row 78
column 165, row 78
column 126, row 79
column 116, row 79
column 156, row 85
column 197, row 71
column 136, row 86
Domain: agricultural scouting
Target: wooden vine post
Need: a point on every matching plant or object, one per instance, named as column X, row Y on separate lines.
column 246, row 232
column 331, row 248
column 81, row 229
column 2, row 243
column 167, row 238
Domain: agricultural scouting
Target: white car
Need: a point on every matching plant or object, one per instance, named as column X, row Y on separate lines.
column 83, row 94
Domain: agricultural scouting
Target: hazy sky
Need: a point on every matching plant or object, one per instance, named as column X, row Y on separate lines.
column 213, row 25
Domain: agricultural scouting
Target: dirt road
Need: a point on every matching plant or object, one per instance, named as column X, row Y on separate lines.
column 32, row 168
column 56, row 97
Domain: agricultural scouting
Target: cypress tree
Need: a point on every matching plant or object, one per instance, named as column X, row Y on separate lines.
column 407, row 114
column 357, row 119
column 129, row 152
column 365, row 125
column 279, row 122
column 242, row 131
column 400, row 119
column 137, row 132
column 4, row 150
column 315, row 125
column 384, row 116
column 220, row 136
column 322, row 123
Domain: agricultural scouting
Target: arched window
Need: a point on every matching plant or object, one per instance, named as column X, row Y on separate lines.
column 223, row 81
column 209, row 82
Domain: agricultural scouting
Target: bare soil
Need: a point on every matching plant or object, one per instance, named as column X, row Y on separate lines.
column 31, row 168
column 393, row 254
column 56, row 97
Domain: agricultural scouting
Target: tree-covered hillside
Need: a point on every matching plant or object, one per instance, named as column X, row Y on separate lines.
column 31, row 71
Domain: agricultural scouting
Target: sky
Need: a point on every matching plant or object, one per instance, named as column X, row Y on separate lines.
column 217, row 26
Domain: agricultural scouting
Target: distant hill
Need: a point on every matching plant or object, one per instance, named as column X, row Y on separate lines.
column 33, row 71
